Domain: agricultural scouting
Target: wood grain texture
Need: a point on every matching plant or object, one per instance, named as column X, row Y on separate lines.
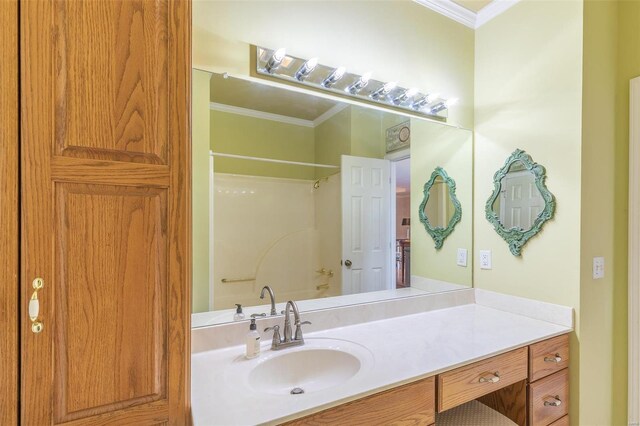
column 564, row 421
column 538, row 367
column 412, row 404
column 9, row 145
column 64, row 169
column 125, row 116
column 545, row 390
column 510, row 401
column 113, row 294
column 461, row 385
column 106, row 210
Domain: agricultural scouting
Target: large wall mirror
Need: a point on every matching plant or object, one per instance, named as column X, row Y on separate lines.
column 296, row 190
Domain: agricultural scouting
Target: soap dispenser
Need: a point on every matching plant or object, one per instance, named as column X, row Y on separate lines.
column 253, row 341
column 239, row 315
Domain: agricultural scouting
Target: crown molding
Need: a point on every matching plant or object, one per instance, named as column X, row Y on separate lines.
column 493, row 9
column 451, row 10
column 465, row 16
column 260, row 114
column 247, row 112
column 329, row 113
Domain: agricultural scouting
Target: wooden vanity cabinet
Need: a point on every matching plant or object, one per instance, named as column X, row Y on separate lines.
column 529, row 385
column 407, row 404
column 467, row 383
column 548, row 393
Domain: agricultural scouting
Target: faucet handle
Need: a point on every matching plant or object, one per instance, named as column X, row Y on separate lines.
column 258, row 315
column 276, row 335
column 298, row 335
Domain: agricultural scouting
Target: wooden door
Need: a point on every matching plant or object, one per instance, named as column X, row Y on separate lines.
column 9, row 145
column 105, row 109
column 521, row 200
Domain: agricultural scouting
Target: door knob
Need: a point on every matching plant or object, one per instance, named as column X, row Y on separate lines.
column 347, row 263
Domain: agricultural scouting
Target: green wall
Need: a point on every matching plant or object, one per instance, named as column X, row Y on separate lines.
column 528, row 95
column 598, row 393
column 367, row 134
column 332, row 139
column 628, row 67
column 256, row 137
column 200, row 189
column 434, row 145
column 352, row 131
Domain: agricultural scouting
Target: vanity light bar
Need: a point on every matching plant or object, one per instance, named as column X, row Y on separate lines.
column 276, row 63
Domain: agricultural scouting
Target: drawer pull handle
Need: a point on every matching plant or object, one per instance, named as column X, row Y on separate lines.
column 34, row 306
column 556, row 402
column 494, row 378
column 557, row 358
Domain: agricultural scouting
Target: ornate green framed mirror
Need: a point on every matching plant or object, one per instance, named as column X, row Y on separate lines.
column 520, row 203
column 440, row 210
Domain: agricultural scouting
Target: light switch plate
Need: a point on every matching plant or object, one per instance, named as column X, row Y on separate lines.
column 485, row 259
column 598, row 268
column 461, row 259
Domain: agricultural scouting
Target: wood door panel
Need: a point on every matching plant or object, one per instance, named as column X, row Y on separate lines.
column 9, row 248
column 110, row 329
column 105, row 192
column 122, row 47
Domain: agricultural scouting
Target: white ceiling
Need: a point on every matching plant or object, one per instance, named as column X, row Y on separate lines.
column 473, row 5
column 273, row 100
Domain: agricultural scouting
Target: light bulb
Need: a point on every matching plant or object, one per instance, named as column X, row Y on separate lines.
column 411, row 92
column 407, row 94
column 335, row 75
column 384, row 90
column 279, row 54
column 275, row 60
column 359, row 84
column 306, row 69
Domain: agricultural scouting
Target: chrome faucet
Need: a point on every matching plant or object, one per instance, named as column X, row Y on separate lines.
column 287, row 319
column 278, row 343
column 273, row 298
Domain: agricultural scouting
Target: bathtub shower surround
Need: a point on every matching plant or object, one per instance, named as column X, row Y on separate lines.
column 273, row 231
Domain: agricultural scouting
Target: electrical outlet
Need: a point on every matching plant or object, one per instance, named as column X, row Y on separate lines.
column 485, row 259
column 461, row 259
column 598, row 268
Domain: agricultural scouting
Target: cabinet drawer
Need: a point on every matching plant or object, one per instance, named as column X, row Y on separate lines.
column 409, row 404
column 467, row 383
column 548, row 356
column 549, row 398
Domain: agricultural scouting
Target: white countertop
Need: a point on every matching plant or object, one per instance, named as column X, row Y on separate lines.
column 404, row 349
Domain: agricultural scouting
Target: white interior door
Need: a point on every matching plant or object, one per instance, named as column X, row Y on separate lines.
column 521, row 201
column 366, row 221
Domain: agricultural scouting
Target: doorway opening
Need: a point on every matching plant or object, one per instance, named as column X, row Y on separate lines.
column 401, row 217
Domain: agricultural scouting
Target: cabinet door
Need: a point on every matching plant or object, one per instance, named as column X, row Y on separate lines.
column 9, row 212
column 105, row 211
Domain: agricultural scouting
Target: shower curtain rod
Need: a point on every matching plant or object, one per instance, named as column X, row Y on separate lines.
column 271, row 160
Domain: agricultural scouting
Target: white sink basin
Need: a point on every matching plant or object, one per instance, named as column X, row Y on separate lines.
column 318, row 365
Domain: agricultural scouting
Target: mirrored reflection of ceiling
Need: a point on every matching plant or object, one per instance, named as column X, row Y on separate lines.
column 473, row 5
column 260, row 97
